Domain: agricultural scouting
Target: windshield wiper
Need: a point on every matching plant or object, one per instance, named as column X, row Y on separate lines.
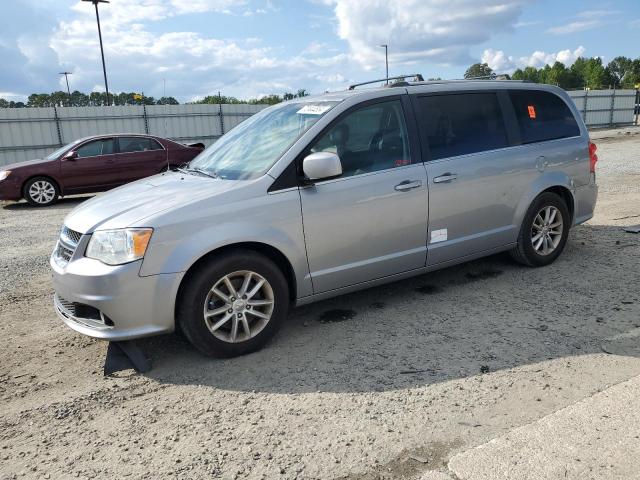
column 200, row 171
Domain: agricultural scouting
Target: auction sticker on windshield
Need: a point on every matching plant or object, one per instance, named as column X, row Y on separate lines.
column 314, row 109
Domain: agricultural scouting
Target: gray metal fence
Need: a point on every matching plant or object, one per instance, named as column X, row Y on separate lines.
column 606, row 108
column 27, row 133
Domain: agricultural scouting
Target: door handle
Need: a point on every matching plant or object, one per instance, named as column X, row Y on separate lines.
column 408, row 185
column 446, row 177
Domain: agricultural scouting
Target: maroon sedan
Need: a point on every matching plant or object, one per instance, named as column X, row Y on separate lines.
column 92, row 164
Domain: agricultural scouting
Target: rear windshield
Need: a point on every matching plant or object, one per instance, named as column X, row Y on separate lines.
column 542, row 116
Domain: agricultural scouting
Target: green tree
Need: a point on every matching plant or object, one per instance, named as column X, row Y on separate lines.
column 79, row 99
column 39, row 100
column 618, row 68
column 167, row 101
column 479, row 70
column 97, row 99
column 215, row 99
column 266, row 100
column 594, row 74
column 633, row 78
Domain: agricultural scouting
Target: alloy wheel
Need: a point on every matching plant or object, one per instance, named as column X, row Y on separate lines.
column 546, row 231
column 42, row 192
column 239, row 306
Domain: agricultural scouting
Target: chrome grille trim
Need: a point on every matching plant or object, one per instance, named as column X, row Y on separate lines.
column 66, row 247
column 70, row 237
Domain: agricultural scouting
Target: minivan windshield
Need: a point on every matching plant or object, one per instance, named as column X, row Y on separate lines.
column 61, row 150
column 251, row 148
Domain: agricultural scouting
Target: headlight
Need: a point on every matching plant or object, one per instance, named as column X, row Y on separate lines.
column 4, row 174
column 115, row 247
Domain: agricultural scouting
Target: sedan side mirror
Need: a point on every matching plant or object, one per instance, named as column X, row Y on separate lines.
column 72, row 155
column 321, row 166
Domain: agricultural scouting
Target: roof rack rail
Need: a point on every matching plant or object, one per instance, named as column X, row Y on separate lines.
column 416, row 76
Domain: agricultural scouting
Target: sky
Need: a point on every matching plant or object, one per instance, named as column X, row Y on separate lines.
column 249, row 48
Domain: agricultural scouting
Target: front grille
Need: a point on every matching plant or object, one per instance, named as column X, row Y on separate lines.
column 67, row 245
column 70, row 237
column 64, row 253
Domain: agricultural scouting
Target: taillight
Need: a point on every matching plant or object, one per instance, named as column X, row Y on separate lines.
column 593, row 158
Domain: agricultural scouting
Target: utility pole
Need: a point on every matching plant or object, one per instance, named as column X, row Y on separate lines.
column 66, row 77
column 386, row 61
column 104, row 68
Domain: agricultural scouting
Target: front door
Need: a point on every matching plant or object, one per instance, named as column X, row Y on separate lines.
column 371, row 222
column 93, row 167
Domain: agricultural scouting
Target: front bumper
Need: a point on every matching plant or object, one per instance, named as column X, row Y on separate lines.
column 128, row 306
column 10, row 189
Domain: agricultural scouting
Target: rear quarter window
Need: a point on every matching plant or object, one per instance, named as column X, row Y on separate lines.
column 542, row 116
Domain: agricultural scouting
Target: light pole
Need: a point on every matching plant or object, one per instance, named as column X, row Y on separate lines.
column 386, row 61
column 104, row 68
column 66, row 77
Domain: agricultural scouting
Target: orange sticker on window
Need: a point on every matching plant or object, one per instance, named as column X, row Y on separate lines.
column 532, row 111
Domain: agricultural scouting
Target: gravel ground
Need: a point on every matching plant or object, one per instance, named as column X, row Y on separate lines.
column 386, row 383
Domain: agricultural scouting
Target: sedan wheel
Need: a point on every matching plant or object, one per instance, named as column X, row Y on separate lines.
column 40, row 192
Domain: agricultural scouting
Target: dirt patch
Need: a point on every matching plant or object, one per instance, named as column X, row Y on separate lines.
column 383, row 381
column 337, row 315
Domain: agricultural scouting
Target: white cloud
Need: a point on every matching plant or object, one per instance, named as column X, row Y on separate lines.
column 635, row 23
column 527, row 24
column 139, row 58
column 573, row 27
column 539, row 58
column 12, row 96
column 436, row 30
column 500, row 62
column 598, row 13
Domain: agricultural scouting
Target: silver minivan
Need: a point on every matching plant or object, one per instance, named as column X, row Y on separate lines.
column 321, row 196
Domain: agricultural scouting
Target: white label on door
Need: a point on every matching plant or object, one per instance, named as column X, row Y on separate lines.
column 439, row 235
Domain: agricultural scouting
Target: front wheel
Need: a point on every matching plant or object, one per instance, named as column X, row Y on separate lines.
column 41, row 191
column 233, row 304
column 544, row 231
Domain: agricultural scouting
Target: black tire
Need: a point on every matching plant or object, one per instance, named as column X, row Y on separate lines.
column 44, row 199
column 195, row 292
column 525, row 252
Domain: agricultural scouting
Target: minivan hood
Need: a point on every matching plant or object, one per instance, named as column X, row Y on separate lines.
column 126, row 205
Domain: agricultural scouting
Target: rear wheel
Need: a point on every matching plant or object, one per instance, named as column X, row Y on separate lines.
column 234, row 304
column 544, row 231
column 41, row 191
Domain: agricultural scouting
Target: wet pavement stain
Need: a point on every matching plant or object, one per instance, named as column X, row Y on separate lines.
column 337, row 315
column 483, row 274
column 429, row 289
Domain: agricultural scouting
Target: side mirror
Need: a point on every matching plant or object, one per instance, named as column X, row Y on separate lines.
column 72, row 155
column 321, row 165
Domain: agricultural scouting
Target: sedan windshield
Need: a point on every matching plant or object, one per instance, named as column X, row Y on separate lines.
column 61, row 150
column 251, row 148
